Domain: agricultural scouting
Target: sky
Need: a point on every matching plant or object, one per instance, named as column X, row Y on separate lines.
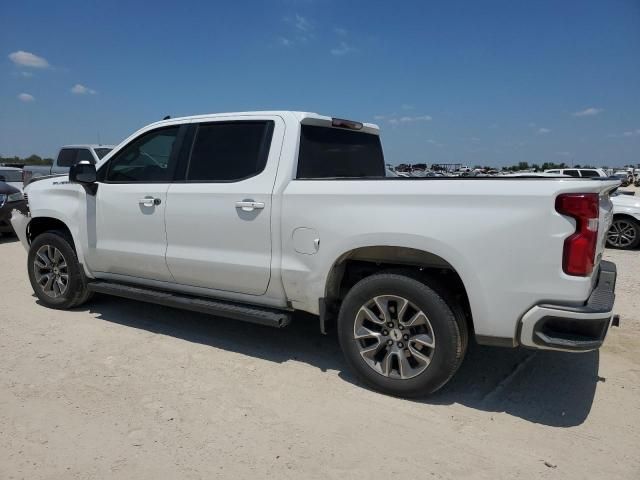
column 471, row 82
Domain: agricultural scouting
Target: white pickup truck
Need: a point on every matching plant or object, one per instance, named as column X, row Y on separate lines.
column 67, row 156
column 254, row 216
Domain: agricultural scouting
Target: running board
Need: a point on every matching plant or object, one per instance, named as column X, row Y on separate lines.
column 246, row 313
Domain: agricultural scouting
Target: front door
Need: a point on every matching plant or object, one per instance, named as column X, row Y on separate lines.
column 128, row 236
column 219, row 217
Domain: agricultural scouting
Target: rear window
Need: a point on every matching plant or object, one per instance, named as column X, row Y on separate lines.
column 589, row 173
column 331, row 152
column 572, row 173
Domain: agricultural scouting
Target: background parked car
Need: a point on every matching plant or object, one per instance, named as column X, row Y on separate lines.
column 12, row 176
column 579, row 172
column 10, row 198
column 625, row 229
column 68, row 155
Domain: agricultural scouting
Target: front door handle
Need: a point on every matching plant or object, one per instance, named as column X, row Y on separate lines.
column 249, row 205
column 149, row 201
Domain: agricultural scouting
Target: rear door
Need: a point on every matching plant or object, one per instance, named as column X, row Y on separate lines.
column 218, row 217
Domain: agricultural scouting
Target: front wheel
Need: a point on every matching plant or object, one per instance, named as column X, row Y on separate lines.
column 624, row 233
column 400, row 336
column 55, row 274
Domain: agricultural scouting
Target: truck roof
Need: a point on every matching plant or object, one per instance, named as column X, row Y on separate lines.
column 87, row 145
column 303, row 117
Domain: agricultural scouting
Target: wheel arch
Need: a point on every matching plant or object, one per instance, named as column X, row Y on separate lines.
column 40, row 225
column 361, row 262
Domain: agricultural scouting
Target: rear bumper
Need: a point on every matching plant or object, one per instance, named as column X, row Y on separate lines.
column 569, row 328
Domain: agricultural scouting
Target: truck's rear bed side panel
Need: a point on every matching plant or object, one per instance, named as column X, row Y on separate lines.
column 504, row 238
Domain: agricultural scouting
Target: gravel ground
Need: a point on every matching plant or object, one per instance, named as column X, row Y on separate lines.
column 119, row 389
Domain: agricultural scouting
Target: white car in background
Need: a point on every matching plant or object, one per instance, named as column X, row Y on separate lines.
column 625, row 229
column 579, row 172
column 12, row 176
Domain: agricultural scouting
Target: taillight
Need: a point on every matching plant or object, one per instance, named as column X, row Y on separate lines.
column 580, row 248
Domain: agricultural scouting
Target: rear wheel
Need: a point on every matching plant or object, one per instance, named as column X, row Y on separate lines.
column 624, row 233
column 400, row 336
column 55, row 274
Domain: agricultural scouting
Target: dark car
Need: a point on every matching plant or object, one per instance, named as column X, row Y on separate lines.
column 10, row 198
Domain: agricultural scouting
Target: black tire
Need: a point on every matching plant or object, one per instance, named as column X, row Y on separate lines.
column 76, row 291
column 624, row 233
column 447, row 324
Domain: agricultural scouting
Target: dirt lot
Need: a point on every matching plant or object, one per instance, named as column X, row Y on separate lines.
column 119, row 389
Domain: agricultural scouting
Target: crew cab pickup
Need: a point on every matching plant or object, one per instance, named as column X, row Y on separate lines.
column 69, row 155
column 254, row 216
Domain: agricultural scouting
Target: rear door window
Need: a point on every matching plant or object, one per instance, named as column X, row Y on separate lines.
column 229, row 151
column 572, row 173
column 589, row 173
column 337, row 153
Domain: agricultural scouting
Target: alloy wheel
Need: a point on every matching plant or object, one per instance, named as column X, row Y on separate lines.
column 51, row 271
column 622, row 234
column 394, row 337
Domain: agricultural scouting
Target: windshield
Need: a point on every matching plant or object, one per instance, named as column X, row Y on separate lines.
column 101, row 152
column 10, row 175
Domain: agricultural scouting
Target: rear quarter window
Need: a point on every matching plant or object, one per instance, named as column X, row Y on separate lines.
column 337, row 153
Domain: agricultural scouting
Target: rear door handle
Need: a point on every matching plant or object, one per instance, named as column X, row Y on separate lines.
column 249, row 205
column 149, row 201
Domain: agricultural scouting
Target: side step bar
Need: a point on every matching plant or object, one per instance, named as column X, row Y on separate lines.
column 247, row 313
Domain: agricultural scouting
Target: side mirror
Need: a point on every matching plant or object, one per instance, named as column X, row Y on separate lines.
column 85, row 174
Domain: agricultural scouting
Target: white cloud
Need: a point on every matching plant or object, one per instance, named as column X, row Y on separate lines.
column 28, row 59
column 433, row 142
column 628, row 133
column 543, row 131
column 474, row 139
column 302, row 24
column 26, row 97
column 564, row 154
column 531, row 124
column 285, row 42
column 407, row 106
column 409, row 119
column 379, row 117
column 80, row 89
column 341, row 31
column 588, row 112
column 343, row 49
